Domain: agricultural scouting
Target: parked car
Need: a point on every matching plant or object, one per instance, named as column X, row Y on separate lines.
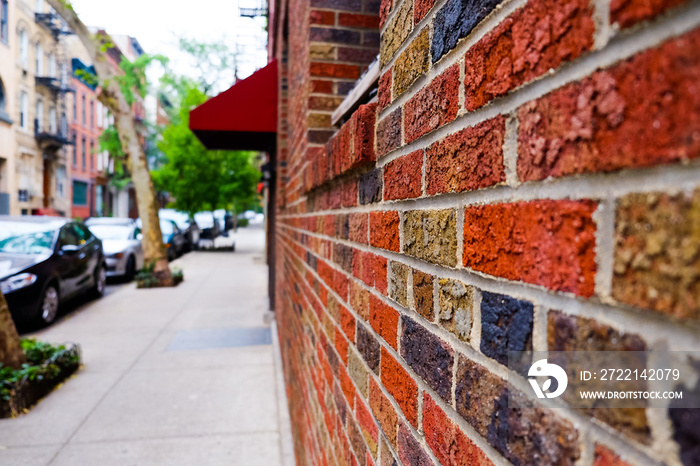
column 186, row 224
column 121, row 241
column 173, row 238
column 45, row 261
column 210, row 227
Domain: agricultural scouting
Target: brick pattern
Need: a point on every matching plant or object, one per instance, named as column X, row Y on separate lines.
column 432, row 232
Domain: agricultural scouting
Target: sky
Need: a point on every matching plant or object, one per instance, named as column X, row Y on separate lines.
column 158, row 23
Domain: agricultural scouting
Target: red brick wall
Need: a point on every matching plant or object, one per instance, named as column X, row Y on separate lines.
column 527, row 179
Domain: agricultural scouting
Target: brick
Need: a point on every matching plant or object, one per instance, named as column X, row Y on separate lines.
column 656, row 260
column 455, row 300
column 423, row 295
column 334, row 70
column 371, row 269
column 574, row 333
column 363, row 55
column 322, row 17
column 455, row 20
column 358, row 21
column 383, row 411
column 347, row 387
column 347, row 5
column 357, row 442
column 318, row 120
column 548, row 242
column 334, row 36
column 328, row 103
column 340, row 402
column 369, row 347
column 370, row 187
column 410, row 451
column 450, row 445
column 403, row 176
column 431, row 235
column 627, row 13
column 684, row 422
column 430, row 357
column 506, row 325
column 384, row 10
column 384, row 90
column 477, row 394
column 357, row 372
column 642, row 112
column 369, row 429
column 398, row 29
column 604, row 456
column 322, row 52
column 398, row 282
column 421, row 8
column 384, row 230
column 359, row 224
column 533, row 40
column 412, row 63
column 389, row 133
column 433, row 106
column 342, row 255
column 401, row 386
column 341, row 345
column 467, row 160
column 384, row 320
column 347, row 323
column 322, row 86
column 370, row 39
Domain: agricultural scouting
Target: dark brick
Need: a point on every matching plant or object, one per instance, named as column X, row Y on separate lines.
column 389, row 133
column 423, row 295
column 410, row 451
column 342, row 255
column 572, row 333
column 456, row 20
column 356, row 55
column 334, row 36
column 344, row 87
column 370, row 39
column 347, row 5
column 371, row 187
column 506, row 325
column 369, row 347
column 430, row 357
column 477, row 394
column 686, row 428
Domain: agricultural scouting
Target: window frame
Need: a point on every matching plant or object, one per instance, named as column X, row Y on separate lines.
column 4, row 22
column 24, row 110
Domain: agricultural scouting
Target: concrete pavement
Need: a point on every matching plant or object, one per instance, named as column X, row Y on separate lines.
column 180, row 376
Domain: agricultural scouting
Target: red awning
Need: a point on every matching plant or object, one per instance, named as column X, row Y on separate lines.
column 241, row 118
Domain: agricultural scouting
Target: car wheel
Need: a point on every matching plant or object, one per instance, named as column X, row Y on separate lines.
column 98, row 289
column 49, row 304
column 130, row 269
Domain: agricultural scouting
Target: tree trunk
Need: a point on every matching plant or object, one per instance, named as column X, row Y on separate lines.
column 112, row 97
column 11, row 353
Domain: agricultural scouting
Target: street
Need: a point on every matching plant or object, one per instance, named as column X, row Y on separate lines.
column 176, row 376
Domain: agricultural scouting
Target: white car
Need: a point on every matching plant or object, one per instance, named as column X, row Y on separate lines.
column 121, row 241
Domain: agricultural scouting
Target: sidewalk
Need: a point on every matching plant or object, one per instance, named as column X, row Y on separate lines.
column 163, row 382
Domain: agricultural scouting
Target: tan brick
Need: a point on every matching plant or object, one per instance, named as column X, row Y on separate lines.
column 398, row 283
column 357, row 372
column 456, row 301
column 322, row 52
column 431, row 235
column 412, row 63
column 396, row 32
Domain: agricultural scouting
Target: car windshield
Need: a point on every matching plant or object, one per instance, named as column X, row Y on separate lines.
column 179, row 218
column 27, row 238
column 204, row 219
column 112, row 231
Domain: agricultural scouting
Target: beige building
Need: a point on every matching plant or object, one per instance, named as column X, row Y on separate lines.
column 40, row 112
column 8, row 190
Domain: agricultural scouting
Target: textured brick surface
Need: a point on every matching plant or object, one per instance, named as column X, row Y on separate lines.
column 384, row 90
column 685, row 422
column 478, row 394
column 467, row 160
column 410, row 451
column 430, row 357
column 398, row 282
column 657, row 246
column 506, row 325
column 368, row 346
column 399, row 27
column 423, row 295
column 403, row 177
column 572, row 333
column 548, row 243
column 383, row 411
column 400, row 386
column 455, row 20
column 384, row 320
column 389, row 133
column 432, row 106
column 384, row 230
column 642, row 112
column 370, row 187
column 455, row 301
column 539, row 37
column 412, row 63
column 606, row 457
column 431, row 235
column 450, row 445
column 629, row 12
column 420, row 9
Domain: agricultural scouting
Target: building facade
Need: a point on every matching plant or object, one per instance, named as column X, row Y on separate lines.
column 40, row 111
column 511, row 175
column 8, row 43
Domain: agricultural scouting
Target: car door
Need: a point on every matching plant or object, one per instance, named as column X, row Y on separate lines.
column 89, row 256
column 68, row 250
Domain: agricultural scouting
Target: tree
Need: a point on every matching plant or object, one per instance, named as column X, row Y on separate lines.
column 116, row 93
column 197, row 178
column 213, row 63
column 11, row 353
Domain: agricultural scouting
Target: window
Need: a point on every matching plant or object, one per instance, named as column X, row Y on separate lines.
column 68, row 236
column 39, row 59
column 79, row 193
column 83, row 107
column 24, row 48
column 3, row 102
column 100, row 114
column 75, row 152
column 4, row 20
column 39, row 6
column 82, row 151
column 92, row 156
column 53, row 123
column 61, row 182
column 39, row 118
column 92, row 114
column 75, row 108
column 52, row 65
column 24, row 110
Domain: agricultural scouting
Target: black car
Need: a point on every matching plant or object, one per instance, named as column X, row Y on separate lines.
column 185, row 224
column 209, row 226
column 44, row 261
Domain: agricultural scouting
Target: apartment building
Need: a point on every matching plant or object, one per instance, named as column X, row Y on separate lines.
column 8, row 41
